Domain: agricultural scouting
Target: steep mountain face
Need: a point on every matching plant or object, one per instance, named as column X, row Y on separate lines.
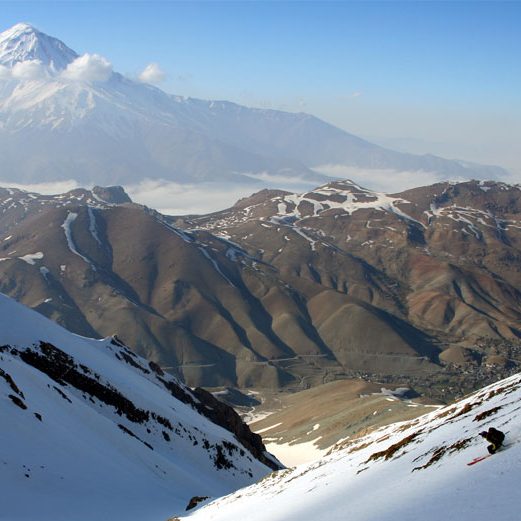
column 441, row 260
column 24, row 43
column 85, row 121
column 283, row 290
column 450, row 251
column 193, row 302
column 409, row 470
column 92, row 431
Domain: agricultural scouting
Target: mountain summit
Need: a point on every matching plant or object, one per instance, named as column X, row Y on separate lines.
column 66, row 115
column 23, row 42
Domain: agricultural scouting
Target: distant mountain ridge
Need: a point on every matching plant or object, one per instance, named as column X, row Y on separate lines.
column 87, row 122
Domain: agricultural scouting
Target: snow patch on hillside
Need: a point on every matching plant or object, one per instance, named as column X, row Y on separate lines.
column 71, row 217
column 92, row 225
column 292, row 454
column 31, row 258
column 346, row 196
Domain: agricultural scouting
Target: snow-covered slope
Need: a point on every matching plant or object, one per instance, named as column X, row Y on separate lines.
column 85, row 121
column 22, row 43
column 407, row 471
column 92, row 431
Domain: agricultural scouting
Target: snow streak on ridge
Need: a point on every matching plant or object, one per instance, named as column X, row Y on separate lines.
column 71, row 217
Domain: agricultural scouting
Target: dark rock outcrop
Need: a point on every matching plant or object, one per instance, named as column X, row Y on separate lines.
column 226, row 417
column 195, row 501
column 111, row 194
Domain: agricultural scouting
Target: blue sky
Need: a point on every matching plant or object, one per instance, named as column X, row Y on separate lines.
column 442, row 77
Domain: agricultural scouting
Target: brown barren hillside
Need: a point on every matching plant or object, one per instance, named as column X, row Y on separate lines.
column 283, row 290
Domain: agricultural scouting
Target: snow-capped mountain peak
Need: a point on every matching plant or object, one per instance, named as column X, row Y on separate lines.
column 70, row 107
column 24, row 43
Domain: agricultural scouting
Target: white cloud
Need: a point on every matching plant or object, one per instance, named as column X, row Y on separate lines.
column 183, row 199
column 280, row 181
column 5, row 73
column 89, row 67
column 165, row 196
column 28, row 70
column 179, row 199
column 50, row 188
column 152, row 73
column 384, row 180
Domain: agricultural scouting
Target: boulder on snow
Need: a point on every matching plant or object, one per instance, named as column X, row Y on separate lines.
column 195, row 501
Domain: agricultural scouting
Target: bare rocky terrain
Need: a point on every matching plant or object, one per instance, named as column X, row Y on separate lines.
column 284, row 291
column 335, row 411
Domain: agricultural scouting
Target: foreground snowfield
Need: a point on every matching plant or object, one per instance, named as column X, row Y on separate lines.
column 112, row 443
column 378, row 477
